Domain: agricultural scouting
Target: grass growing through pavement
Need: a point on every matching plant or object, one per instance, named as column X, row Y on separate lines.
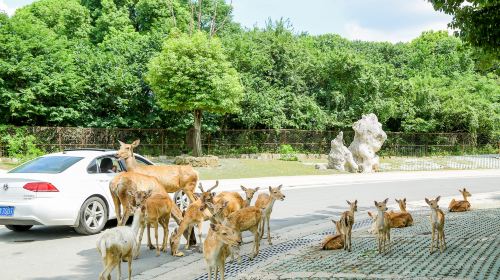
column 251, row 168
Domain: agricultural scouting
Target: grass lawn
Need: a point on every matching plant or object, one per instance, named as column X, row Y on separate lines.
column 251, row 168
column 7, row 166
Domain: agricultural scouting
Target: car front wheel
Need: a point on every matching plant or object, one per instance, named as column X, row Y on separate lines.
column 19, row 227
column 93, row 216
column 181, row 200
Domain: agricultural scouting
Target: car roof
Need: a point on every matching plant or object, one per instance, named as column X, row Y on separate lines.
column 85, row 152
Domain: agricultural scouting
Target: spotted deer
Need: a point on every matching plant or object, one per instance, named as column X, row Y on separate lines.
column 403, row 218
column 383, row 227
column 346, row 223
column 460, row 205
column 437, row 225
column 266, row 202
column 217, row 246
column 333, row 242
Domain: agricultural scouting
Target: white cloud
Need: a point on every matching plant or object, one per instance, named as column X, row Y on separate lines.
column 7, row 9
column 355, row 31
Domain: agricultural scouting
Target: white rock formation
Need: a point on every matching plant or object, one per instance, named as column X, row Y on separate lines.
column 368, row 139
column 340, row 157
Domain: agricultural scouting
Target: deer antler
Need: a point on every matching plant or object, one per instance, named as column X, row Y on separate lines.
column 216, row 184
column 200, row 186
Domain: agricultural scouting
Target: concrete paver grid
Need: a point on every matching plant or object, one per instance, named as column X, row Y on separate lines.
column 473, row 252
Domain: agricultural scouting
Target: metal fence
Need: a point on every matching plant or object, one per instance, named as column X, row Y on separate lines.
column 243, row 141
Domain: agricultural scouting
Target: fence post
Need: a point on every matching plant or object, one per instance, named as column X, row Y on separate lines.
column 59, row 138
column 162, row 142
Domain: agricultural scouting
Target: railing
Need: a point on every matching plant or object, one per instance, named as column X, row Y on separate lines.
column 241, row 141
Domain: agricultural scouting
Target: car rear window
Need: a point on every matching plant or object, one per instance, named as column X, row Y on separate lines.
column 51, row 164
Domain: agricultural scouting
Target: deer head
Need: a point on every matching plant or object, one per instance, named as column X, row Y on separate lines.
column 402, row 204
column 127, row 150
column 465, row 193
column 174, row 243
column 433, row 203
column 226, row 234
column 207, row 196
column 381, row 206
column 276, row 193
column 139, row 198
column 353, row 205
column 249, row 192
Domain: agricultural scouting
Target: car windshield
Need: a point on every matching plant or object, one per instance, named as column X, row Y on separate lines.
column 50, row 164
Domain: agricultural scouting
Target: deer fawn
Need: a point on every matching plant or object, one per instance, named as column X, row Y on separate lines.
column 266, row 202
column 346, row 223
column 333, row 242
column 216, row 248
column 460, row 205
column 383, row 226
column 437, row 224
column 249, row 193
column 403, row 218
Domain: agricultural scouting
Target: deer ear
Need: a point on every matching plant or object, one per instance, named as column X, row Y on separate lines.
column 427, row 201
column 212, row 194
column 397, row 200
column 270, row 189
column 257, row 188
column 149, row 193
column 437, row 198
column 404, row 199
column 121, row 143
column 356, row 201
column 376, row 204
column 243, row 188
column 213, row 227
column 348, row 202
column 279, row 187
column 386, row 200
column 136, row 143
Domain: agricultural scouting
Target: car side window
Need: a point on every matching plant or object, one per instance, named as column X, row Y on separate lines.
column 104, row 165
column 141, row 161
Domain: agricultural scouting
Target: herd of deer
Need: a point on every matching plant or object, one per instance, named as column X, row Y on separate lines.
column 143, row 190
column 383, row 221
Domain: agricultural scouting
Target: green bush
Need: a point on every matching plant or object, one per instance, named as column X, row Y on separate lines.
column 20, row 144
column 288, row 153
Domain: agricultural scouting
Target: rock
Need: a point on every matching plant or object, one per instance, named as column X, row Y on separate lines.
column 368, row 139
column 340, row 158
column 205, row 161
column 321, row 166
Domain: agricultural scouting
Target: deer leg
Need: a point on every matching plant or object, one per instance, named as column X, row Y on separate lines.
column 222, row 270
column 389, row 239
column 350, row 234
column 155, row 225
column 150, row 244
column 138, row 249
column 432, row 239
column 119, row 269
column 116, row 202
column 165, row 234
column 200, row 225
column 189, row 229
column 216, row 271
column 130, row 267
column 255, row 243
column 444, row 239
column 269, row 231
column 126, row 213
column 209, row 273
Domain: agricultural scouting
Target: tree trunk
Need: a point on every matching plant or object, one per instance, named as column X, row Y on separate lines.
column 197, row 134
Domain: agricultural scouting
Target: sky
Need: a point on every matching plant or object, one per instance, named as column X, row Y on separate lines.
column 370, row 20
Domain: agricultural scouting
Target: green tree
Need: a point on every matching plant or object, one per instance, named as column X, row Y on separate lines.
column 191, row 73
column 476, row 20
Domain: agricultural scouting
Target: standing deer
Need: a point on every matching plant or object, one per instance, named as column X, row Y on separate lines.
column 217, row 247
column 437, row 224
column 171, row 177
column 117, row 244
column 234, row 199
column 333, row 242
column 383, row 227
column 460, row 205
column 249, row 193
column 403, row 218
column 346, row 223
column 266, row 202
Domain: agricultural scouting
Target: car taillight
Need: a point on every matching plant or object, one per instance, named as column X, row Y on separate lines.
column 40, row 187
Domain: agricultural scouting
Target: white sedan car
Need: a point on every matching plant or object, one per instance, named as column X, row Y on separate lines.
column 67, row 188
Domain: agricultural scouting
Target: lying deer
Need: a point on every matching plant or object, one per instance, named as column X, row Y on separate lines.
column 217, row 247
column 156, row 209
column 171, row 177
column 403, row 218
column 437, row 224
column 266, row 202
column 333, row 242
column 383, row 227
column 195, row 214
column 117, row 244
column 346, row 223
column 460, row 205
column 245, row 219
column 249, row 193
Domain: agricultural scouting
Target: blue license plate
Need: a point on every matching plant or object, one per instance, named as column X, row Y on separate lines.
column 7, row 211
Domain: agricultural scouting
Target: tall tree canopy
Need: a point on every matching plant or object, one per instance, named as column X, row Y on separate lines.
column 191, row 73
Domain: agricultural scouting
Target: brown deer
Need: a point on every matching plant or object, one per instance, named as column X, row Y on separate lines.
column 234, row 199
column 156, row 209
column 249, row 193
column 195, row 214
column 383, row 227
column 171, row 177
column 217, row 246
column 403, row 218
column 266, row 202
column 333, row 242
column 437, row 224
column 460, row 205
column 245, row 219
column 346, row 223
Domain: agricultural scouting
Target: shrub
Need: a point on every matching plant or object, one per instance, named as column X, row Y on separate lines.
column 20, row 144
column 287, row 153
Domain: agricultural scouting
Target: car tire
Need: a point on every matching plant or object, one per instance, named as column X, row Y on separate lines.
column 19, row 228
column 181, row 200
column 93, row 216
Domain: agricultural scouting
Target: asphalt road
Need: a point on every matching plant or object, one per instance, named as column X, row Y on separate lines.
column 60, row 253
